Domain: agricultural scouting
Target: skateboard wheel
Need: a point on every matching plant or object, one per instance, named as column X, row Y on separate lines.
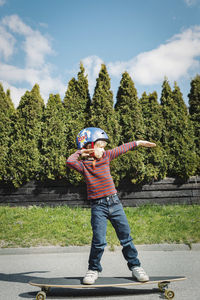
column 45, row 289
column 41, row 296
column 162, row 286
column 169, row 294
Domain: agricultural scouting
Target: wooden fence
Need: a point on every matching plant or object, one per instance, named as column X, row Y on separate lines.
column 53, row 193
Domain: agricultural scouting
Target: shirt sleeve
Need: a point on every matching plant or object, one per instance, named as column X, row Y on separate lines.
column 114, row 153
column 74, row 163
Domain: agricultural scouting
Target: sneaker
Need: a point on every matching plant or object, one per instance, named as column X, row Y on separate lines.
column 90, row 277
column 140, row 274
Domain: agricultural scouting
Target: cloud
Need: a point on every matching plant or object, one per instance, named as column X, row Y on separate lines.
column 36, row 48
column 15, row 92
column 13, row 75
column 35, row 45
column 92, row 65
column 7, row 42
column 191, row 2
column 2, row 2
column 173, row 59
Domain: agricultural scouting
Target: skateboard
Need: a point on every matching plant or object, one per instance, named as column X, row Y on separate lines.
column 103, row 282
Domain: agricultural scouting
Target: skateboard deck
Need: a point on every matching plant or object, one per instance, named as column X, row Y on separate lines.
column 76, row 283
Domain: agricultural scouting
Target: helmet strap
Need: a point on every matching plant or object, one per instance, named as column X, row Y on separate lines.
column 94, row 161
column 94, row 164
column 92, row 147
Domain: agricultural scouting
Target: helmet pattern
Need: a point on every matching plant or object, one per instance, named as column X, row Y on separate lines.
column 89, row 135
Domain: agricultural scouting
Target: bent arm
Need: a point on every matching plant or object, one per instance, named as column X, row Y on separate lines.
column 74, row 163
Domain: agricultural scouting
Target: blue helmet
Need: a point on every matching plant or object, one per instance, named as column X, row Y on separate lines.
column 90, row 135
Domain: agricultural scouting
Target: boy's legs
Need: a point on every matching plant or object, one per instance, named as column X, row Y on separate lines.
column 120, row 223
column 113, row 211
column 111, row 208
column 99, row 215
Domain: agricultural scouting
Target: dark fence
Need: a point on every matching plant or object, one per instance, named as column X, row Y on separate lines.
column 53, row 193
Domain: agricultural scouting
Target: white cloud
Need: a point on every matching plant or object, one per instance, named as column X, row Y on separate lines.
column 36, row 69
column 35, row 45
column 13, row 75
column 92, row 65
column 176, row 59
column 191, row 2
column 15, row 93
column 2, row 2
column 7, row 42
column 16, row 25
column 173, row 59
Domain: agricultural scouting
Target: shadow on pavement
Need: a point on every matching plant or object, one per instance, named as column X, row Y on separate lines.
column 69, row 292
column 54, row 293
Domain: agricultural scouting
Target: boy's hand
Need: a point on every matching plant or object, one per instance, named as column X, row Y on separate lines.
column 145, row 144
column 87, row 152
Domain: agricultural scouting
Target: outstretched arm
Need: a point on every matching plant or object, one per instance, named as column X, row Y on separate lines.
column 145, row 144
column 114, row 153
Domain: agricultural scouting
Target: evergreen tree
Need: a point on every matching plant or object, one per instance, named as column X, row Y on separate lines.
column 102, row 113
column 83, row 93
column 186, row 159
column 194, row 109
column 77, row 105
column 155, row 159
column 129, row 111
column 169, row 116
column 53, row 159
column 24, row 154
column 178, row 135
column 6, row 112
column 131, row 166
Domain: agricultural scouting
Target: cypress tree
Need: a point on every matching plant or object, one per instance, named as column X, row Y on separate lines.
column 186, row 162
column 102, row 112
column 129, row 111
column 169, row 132
column 83, row 94
column 131, row 166
column 7, row 110
column 155, row 163
column 24, row 154
column 178, row 135
column 53, row 160
column 194, row 110
column 77, row 105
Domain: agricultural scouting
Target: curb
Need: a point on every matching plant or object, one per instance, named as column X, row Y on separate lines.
column 86, row 249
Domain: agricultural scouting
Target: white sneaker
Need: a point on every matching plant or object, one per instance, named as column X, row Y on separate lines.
column 90, row 277
column 140, row 274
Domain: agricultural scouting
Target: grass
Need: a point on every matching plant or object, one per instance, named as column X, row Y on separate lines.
column 42, row 226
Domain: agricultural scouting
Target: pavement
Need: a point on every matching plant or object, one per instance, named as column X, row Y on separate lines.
column 20, row 265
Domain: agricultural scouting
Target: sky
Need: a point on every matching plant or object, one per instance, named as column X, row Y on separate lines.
column 44, row 41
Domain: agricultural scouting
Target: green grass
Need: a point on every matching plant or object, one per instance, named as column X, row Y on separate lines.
column 64, row 226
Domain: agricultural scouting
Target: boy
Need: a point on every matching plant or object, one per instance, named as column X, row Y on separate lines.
column 93, row 162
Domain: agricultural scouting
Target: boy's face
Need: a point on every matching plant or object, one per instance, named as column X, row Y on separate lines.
column 98, row 151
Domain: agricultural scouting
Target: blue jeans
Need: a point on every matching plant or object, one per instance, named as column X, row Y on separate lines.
column 110, row 208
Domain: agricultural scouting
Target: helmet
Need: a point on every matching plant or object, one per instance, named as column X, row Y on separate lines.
column 90, row 135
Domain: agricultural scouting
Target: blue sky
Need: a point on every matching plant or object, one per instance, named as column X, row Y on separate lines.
column 43, row 41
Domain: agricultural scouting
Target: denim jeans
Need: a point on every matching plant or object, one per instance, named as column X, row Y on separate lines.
column 110, row 208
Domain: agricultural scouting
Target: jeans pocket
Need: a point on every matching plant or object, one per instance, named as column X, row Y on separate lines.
column 116, row 200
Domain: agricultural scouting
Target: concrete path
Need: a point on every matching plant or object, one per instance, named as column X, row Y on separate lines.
column 19, row 266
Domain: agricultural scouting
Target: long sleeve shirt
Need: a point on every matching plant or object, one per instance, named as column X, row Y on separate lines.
column 98, row 180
